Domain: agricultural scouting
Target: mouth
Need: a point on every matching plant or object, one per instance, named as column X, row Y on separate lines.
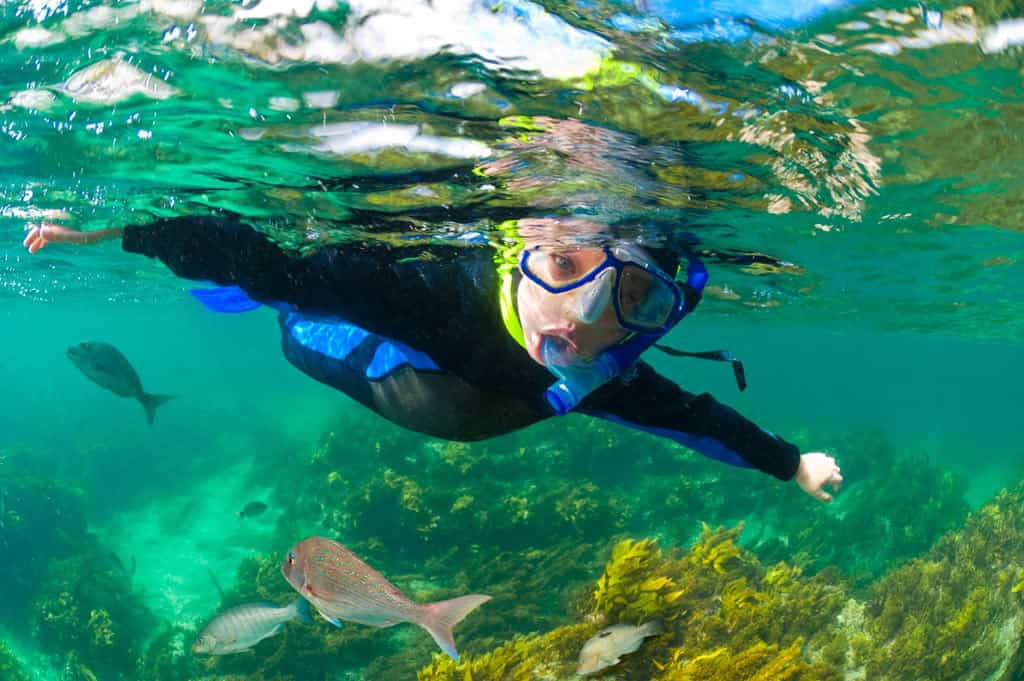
column 562, row 334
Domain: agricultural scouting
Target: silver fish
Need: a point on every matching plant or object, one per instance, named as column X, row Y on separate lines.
column 243, row 626
column 105, row 366
column 606, row 647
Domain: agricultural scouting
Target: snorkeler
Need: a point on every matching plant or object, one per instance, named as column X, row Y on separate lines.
column 463, row 342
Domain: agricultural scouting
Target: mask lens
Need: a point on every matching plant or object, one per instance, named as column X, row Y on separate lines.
column 562, row 269
column 645, row 300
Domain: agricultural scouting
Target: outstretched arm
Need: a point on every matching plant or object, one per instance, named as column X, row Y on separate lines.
column 656, row 405
column 48, row 232
column 210, row 248
column 429, row 302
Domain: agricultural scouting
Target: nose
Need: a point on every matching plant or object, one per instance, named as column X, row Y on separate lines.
column 590, row 301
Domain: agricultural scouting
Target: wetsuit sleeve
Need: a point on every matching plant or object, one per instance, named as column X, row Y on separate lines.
column 373, row 286
column 227, row 252
column 656, row 405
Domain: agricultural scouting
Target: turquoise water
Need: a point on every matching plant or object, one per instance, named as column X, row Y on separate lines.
column 873, row 148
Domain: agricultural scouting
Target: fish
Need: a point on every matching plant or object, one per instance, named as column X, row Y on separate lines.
column 342, row 587
column 119, row 564
column 252, row 509
column 105, row 366
column 605, row 648
column 240, row 628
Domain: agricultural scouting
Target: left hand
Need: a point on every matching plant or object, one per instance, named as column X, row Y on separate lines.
column 818, row 469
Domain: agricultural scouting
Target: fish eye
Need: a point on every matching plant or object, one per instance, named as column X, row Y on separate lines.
column 291, row 557
column 604, row 633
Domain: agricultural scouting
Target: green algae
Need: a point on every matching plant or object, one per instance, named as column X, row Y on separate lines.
column 893, row 506
column 512, row 526
column 947, row 615
column 10, row 667
column 93, row 615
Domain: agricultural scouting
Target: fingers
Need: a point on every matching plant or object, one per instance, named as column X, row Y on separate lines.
column 822, row 495
column 836, row 479
column 34, row 241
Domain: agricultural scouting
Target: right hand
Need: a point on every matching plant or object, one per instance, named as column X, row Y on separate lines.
column 49, row 232
column 816, row 470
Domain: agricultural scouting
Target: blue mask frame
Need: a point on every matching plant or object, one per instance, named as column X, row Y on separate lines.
column 611, row 261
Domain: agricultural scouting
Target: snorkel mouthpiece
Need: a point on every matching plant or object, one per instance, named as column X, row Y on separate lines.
column 577, row 378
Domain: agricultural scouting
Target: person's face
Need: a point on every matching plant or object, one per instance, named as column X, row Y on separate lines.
column 542, row 313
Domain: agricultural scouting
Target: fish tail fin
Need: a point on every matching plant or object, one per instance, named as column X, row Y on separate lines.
column 302, row 612
column 441, row 617
column 652, row 627
column 151, row 402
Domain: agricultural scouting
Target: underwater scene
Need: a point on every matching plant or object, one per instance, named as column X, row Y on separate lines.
column 509, row 340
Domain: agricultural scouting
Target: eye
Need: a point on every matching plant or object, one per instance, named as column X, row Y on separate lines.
column 291, row 557
column 560, row 268
column 604, row 633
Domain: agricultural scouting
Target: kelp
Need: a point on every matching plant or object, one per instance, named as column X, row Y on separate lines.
column 954, row 613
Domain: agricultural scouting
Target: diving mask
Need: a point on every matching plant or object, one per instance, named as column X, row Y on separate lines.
column 646, row 302
column 644, row 298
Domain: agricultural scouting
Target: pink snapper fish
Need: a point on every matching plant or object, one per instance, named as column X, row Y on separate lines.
column 342, row 587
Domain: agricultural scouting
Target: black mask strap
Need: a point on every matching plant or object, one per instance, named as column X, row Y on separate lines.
column 715, row 355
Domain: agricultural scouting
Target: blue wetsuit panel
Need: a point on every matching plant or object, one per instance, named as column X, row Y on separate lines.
column 391, row 354
column 333, row 339
column 225, row 299
column 707, row 446
column 338, row 339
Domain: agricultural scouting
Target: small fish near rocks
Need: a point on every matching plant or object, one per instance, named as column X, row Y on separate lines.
column 606, row 648
column 104, row 365
column 242, row 627
column 342, row 587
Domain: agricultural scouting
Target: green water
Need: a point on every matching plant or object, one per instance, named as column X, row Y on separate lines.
column 889, row 182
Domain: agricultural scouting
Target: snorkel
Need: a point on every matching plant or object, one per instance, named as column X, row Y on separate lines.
column 577, row 378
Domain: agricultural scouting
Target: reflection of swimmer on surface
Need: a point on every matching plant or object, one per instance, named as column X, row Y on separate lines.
column 463, row 345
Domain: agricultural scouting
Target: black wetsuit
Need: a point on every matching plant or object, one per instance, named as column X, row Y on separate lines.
column 421, row 341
